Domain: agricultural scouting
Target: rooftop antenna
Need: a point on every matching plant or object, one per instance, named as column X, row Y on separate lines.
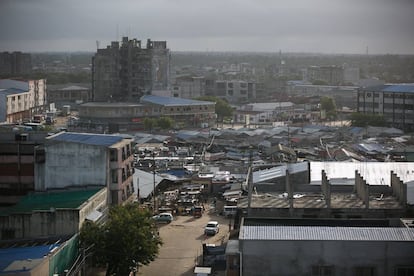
column 97, row 44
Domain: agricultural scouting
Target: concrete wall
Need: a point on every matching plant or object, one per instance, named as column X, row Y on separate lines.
column 399, row 189
column 74, row 164
column 42, row 223
column 362, row 189
column 297, row 257
column 326, row 189
column 57, row 222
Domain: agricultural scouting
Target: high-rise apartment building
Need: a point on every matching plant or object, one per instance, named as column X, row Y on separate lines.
column 125, row 72
column 15, row 63
column 332, row 75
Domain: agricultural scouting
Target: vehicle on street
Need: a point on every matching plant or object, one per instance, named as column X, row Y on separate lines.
column 229, row 211
column 163, row 217
column 197, row 211
column 212, row 228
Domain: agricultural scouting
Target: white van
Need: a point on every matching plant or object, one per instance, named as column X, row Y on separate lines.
column 229, row 211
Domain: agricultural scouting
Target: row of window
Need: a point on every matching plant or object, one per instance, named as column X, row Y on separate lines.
column 386, row 95
column 188, row 108
column 387, row 106
column 241, row 92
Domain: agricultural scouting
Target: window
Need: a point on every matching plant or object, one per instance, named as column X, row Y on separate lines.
column 322, row 270
column 114, row 176
column 365, row 271
column 113, row 155
column 230, row 85
column 404, row 271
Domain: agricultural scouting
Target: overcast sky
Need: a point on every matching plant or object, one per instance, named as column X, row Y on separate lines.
column 322, row 26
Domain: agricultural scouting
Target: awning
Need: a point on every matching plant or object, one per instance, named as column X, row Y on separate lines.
column 94, row 216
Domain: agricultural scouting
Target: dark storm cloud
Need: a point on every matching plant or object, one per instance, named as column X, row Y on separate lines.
column 249, row 25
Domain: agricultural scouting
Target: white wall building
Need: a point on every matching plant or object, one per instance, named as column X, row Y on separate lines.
column 189, row 87
column 235, row 91
column 20, row 100
column 81, row 159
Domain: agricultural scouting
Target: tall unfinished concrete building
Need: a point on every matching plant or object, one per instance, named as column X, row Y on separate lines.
column 125, row 72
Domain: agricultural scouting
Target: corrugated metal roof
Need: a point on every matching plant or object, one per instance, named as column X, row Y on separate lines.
column 144, row 182
column 20, row 85
column 31, row 253
column 11, row 91
column 409, row 87
column 47, row 200
column 396, row 88
column 171, row 101
column 87, row 138
column 74, row 87
column 324, row 233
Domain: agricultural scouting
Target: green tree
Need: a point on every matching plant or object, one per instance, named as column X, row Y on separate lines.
column 328, row 104
column 150, row 123
column 128, row 240
column 223, row 109
column 165, row 122
column 363, row 120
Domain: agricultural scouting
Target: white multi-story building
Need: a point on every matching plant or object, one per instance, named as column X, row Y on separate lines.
column 20, row 100
column 262, row 113
column 394, row 101
column 189, row 87
column 84, row 159
column 235, row 91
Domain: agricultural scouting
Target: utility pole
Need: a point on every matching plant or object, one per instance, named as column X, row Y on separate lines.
column 153, row 175
column 250, row 183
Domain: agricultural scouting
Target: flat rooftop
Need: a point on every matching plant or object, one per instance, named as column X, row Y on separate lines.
column 51, row 200
column 316, row 200
column 24, row 255
column 324, row 230
column 326, row 233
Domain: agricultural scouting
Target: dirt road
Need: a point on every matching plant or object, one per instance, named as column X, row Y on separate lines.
column 183, row 239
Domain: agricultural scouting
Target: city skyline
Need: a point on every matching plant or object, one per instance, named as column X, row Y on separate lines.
column 319, row 26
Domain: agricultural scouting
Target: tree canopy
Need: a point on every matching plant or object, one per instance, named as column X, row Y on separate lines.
column 363, row 120
column 328, row 104
column 128, row 240
column 162, row 122
column 165, row 122
column 223, row 109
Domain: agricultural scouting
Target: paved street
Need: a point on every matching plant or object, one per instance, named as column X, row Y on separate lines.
column 183, row 239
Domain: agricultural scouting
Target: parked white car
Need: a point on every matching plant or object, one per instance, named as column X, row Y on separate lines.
column 212, row 228
column 163, row 217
